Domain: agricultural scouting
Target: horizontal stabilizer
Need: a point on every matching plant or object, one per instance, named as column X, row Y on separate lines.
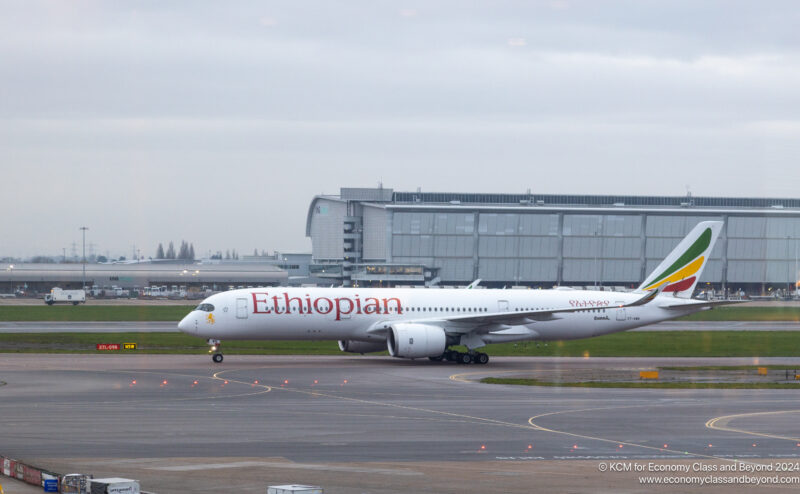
column 648, row 297
column 699, row 304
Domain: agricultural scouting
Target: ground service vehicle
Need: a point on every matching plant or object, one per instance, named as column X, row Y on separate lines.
column 57, row 295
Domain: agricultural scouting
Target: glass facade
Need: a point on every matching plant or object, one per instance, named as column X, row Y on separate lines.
column 586, row 200
column 575, row 240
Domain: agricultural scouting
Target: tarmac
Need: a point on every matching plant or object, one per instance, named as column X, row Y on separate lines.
column 14, row 486
column 179, row 423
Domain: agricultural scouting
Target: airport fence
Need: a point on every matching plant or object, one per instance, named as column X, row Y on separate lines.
column 27, row 473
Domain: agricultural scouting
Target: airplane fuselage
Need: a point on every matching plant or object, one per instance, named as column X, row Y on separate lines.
column 283, row 313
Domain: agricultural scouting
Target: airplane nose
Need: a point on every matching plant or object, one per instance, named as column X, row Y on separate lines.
column 187, row 324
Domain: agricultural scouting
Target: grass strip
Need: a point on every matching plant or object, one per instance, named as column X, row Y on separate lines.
column 739, row 313
column 730, row 367
column 642, row 344
column 70, row 313
column 155, row 343
column 664, row 344
column 643, row 384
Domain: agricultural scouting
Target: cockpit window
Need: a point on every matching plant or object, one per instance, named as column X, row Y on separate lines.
column 205, row 307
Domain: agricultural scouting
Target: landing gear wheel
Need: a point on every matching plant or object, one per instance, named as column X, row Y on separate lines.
column 481, row 358
column 464, row 358
column 450, row 355
column 215, row 350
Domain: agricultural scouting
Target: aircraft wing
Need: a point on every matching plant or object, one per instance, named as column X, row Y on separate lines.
column 529, row 316
column 498, row 320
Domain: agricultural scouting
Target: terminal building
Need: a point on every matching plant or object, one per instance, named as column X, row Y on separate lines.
column 379, row 237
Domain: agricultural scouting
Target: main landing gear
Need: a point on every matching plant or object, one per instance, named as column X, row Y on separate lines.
column 462, row 358
column 215, row 350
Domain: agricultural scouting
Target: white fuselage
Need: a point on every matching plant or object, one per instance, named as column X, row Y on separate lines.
column 282, row 313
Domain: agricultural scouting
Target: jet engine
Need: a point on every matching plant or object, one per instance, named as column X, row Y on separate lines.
column 362, row 347
column 409, row 340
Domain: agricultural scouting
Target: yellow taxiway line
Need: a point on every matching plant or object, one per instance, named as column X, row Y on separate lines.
column 720, row 424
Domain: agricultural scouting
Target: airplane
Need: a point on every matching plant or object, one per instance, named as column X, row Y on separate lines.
column 418, row 323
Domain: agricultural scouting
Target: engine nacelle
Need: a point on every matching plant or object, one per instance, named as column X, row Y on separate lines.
column 362, row 347
column 409, row 340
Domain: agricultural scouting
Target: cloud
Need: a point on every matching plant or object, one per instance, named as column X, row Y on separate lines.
column 268, row 22
column 208, row 109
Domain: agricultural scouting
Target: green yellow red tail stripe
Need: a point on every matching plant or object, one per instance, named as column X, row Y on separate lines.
column 682, row 274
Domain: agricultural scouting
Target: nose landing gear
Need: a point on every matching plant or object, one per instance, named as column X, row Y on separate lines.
column 215, row 350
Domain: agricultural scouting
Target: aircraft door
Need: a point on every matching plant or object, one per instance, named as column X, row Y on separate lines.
column 502, row 305
column 620, row 311
column 241, row 308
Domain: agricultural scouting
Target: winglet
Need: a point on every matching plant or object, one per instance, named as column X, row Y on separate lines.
column 473, row 284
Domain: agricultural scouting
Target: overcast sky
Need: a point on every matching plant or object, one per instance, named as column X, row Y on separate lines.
column 217, row 122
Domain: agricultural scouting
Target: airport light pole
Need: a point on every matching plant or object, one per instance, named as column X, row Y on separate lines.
column 83, row 229
column 788, row 266
column 10, row 270
column 596, row 271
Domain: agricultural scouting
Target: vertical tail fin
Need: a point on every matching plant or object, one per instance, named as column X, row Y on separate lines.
column 683, row 266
